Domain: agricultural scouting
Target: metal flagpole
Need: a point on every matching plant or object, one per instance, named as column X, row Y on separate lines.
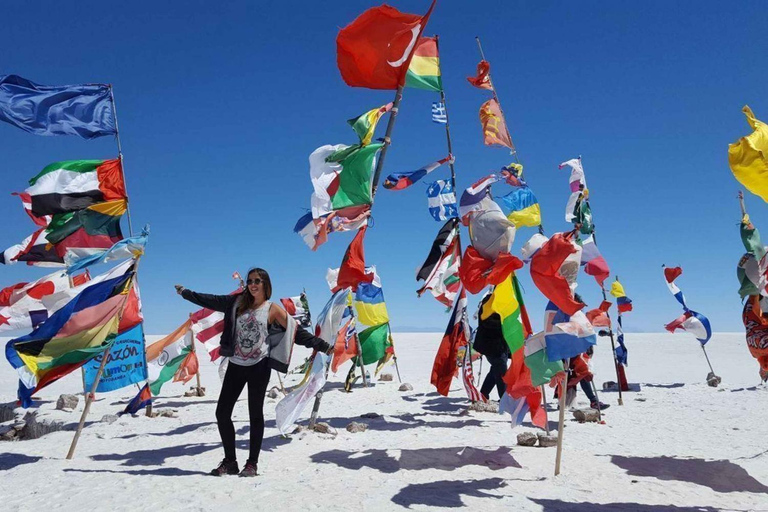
column 120, row 156
column 447, row 120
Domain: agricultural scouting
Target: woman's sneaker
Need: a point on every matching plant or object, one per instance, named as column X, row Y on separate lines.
column 249, row 469
column 599, row 405
column 226, row 467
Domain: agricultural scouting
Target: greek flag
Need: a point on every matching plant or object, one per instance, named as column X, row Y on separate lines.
column 438, row 113
column 442, row 200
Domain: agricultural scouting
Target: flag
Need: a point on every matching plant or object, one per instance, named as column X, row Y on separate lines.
column 365, row 124
column 88, row 230
column 374, row 342
column 503, row 302
column 594, row 263
column 520, row 387
column 352, row 185
column 439, row 114
column 547, row 275
column 21, row 305
column 468, row 377
column 441, row 200
column 524, row 207
column 131, row 247
column 401, row 180
column 83, row 110
column 456, row 335
column 748, row 157
column 26, row 201
column 345, row 346
column 566, row 335
column 126, row 363
column 578, row 186
column 694, row 323
column 476, row 198
column 424, row 69
column 142, row 399
column 482, row 80
column 315, row 232
column 440, row 271
column 34, row 250
column 491, row 233
column 207, row 326
column 477, row 272
column 370, row 306
column 352, row 271
column 690, row 321
column 329, row 323
column 75, row 184
column 298, row 308
column 83, row 328
column 375, row 50
column 495, row 132
column 621, row 350
column 165, row 356
column 598, row 317
column 623, row 303
column 541, row 367
column 752, row 267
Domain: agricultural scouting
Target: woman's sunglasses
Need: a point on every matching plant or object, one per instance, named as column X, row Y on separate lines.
column 253, row 281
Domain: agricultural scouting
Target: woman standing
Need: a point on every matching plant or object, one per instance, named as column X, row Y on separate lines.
column 258, row 336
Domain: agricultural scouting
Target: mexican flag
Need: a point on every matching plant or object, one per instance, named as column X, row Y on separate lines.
column 171, row 358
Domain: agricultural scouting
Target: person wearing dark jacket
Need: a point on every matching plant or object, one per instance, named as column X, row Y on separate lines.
column 258, row 336
column 489, row 341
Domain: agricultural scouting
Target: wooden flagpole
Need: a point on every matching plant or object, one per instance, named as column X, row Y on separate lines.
column 561, row 420
column 546, row 413
column 120, row 156
column 199, row 390
column 89, row 399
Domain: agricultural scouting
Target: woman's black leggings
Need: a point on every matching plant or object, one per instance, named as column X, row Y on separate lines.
column 257, row 378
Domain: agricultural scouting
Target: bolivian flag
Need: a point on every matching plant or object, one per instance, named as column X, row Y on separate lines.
column 74, row 334
column 424, row 71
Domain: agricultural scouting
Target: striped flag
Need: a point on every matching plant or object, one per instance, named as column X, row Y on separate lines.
column 469, row 382
column 438, row 113
column 207, row 326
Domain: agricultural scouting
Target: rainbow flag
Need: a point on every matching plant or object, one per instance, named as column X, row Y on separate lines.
column 82, row 329
column 424, row 70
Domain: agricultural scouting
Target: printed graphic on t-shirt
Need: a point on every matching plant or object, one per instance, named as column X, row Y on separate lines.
column 251, row 336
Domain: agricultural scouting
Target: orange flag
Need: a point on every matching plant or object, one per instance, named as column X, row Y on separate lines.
column 494, row 127
column 188, row 369
column 483, row 79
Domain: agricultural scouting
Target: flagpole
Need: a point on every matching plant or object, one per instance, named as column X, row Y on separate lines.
column 546, row 413
column 561, row 420
column 120, row 156
column 498, row 102
column 496, row 97
column 387, row 139
column 90, row 397
column 447, row 119
column 199, row 390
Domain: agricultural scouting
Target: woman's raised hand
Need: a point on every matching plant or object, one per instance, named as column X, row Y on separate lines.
column 179, row 288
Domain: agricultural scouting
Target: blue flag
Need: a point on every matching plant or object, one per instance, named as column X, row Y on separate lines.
column 83, row 110
column 126, row 363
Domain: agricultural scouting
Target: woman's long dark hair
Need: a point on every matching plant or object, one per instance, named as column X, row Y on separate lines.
column 246, row 299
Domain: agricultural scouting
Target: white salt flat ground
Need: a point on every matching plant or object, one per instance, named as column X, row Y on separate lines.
column 675, row 445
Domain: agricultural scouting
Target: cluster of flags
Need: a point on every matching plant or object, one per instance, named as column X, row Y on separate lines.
column 75, row 321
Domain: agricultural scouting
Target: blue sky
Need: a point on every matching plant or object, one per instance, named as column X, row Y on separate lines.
column 220, row 104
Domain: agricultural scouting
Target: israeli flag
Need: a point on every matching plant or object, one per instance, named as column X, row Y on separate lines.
column 438, row 112
column 442, row 200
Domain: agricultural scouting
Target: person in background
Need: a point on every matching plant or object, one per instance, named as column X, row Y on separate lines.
column 489, row 341
column 258, row 336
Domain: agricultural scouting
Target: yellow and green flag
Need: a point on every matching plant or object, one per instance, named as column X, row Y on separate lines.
column 424, row 70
